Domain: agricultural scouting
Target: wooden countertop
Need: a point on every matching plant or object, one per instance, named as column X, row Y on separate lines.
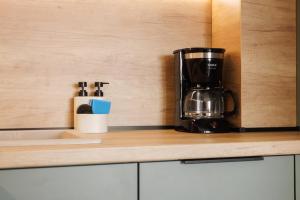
column 157, row 145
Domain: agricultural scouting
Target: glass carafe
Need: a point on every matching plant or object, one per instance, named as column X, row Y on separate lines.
column 206, row 103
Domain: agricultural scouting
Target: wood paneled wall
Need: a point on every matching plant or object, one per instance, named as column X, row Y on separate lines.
column 226, row 32
column 265, row 59
column 298, row 64
column 47, row 46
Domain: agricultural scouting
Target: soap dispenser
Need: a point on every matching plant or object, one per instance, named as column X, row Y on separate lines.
column 99, row 92
column 100, row 105
column 82, row 98
column 82, row 92
column 81, row 103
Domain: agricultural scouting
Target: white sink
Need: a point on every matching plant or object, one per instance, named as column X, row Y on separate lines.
column 44, row 137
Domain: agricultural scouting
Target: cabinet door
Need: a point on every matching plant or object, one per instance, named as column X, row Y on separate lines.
column 297, row 170
column 111, row 182
column 268, row 179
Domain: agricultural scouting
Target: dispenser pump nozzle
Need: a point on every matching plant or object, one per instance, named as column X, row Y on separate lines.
column 99, row 85
column 82, row 92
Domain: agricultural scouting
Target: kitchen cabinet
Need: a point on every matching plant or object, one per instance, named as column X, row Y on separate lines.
column 297, row 176
column 268, row 179
column 260, row 61
column 113, row 182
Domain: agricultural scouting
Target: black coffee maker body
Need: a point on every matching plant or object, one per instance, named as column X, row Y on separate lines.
column 200, row 96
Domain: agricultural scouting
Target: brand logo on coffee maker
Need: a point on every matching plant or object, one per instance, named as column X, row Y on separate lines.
column 212, row 65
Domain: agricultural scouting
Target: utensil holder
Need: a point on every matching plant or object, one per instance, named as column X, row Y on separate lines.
column 91, row 123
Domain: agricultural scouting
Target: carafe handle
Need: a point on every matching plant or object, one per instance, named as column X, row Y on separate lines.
column 234, row 109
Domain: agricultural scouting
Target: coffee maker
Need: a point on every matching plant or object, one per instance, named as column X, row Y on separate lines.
column 200, row 96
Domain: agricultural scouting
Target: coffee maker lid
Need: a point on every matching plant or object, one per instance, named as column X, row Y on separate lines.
column 199, row 49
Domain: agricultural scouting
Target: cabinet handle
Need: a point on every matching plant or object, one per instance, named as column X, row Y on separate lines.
column 222, row 160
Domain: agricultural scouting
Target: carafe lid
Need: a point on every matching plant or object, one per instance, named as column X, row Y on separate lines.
column 200, row 49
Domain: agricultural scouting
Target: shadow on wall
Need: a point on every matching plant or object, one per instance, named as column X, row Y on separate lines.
column 168, row 89
column 231, row 81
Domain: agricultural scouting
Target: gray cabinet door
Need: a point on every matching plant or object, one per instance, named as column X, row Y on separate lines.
column 268, row 179
column 297, row 177
column 107, row 182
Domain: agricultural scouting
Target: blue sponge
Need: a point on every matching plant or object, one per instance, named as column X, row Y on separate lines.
column 100, row 106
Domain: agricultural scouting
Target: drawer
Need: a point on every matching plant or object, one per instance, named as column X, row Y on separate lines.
column 230, row 179
column 111, row 182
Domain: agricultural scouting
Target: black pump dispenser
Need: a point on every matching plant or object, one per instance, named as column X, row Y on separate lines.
column 82, row 92
column 99, row 85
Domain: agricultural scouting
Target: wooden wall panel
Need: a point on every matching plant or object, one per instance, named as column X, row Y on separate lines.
column 298, row 64
column 261, row 41
column 226, row 34
column 268, row 63
column 47, row 46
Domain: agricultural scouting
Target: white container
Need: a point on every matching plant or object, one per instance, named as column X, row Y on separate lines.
column 89, row 123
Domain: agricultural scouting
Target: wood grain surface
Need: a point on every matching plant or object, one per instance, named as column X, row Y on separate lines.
column 47, row 46
column 266, row 59
column 226, row 34
column 155, row 145
column 268, row 63
column 298, row 66
column 43, row 137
